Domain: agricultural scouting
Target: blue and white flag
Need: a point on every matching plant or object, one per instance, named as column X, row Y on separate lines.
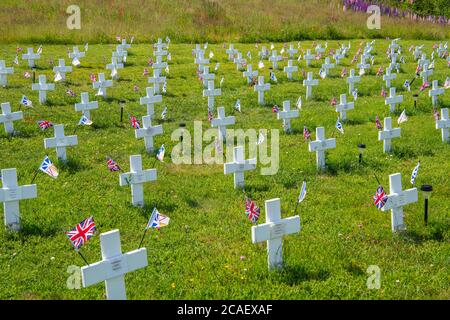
column 273, row 77
column 84, row 121
column 302, row 194
column 164, row 113
column 414, row 173
column 160, row 154
column 49, row 168
column 355, row 94
column 407, row 85
column 157, row 220
column 339, row 126
column 237, row 106
column 26, row 102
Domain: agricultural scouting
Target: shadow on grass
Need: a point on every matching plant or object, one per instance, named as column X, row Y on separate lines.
column 192, row 203
column 163, row 206
column 403, row 152
column 294, row 275
column 32, row 229
column 436, row 232
column 353, row 122
column 71, row 166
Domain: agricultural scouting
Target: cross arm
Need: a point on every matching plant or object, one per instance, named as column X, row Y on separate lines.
column 273, row 230
column 400, row 199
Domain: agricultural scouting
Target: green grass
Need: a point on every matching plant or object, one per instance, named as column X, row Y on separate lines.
column 44, row 21
column 198, row 255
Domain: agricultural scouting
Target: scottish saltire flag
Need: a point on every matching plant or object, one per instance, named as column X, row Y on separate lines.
column 76, row 62
column 134, row 122
column 302, row 194
column 378, row 123
column 160, row 153
column 237, row 105
column 112, row 165
column 275, row 109
column 157, row 220
column 84, row 121
column 49, row 168
column 299, row 102
column 252, row 210
column 306, row 134
column 380, row 198
column 26, row 102
column 339, row 126
column 164, row 113
column 79, row 235
column 44, row 124
column 414, row 173
column 402, row 117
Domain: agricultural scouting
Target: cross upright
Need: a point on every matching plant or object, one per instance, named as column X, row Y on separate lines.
column 393, row 99
column 444, row 125
column 7, row 117
column 43, row 87
column 309, row 82
column 197, row 50
column 338, row 56
column 147, row 132
column 124, row 45
column 250, row 74
column 239, row 166
column 4, row 71
column 292, row 51
column 136, row 178
column 114, row 266
column 85, row 106
column 273, row 232
column 423, row 60
column 363, row 65
column 159, row 45
column 290, row 68
column 222, row 122
column 351, row 80
column 260, row 88
column 426, row 72
column 30, row 56
column 327, row 66
column 149, row 100
column 239, row 61
column 201, row 60
column 211, row 93
column 397, row 199
column 158, row 65
column 320, row 145
column 10, row 194
column 62, row 69
column 120, row 55
column 435, row 92
column 114, row 66
column 319, row 49
column 206, row 76
column 308, row 57
column 286, row 115
column 76, row 54
column 160, row 53
column 102, row 84
column 388, row 77
column 387, row 134
column 60, row 142
column 231, row 51
column 274, row 58
column 156, row 80
column 344, row 106
column 417, row 52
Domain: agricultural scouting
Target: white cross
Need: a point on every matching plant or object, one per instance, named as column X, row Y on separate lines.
column 159, row 65
column 423, row 60
column 136, row 178
column 60, row 142
column 308, row 57
column 231, row 51
column 273, row 231
column 320, row 145
column 239, row 166
column 344, row 106
column 327, row 66
column 388, row 77
column 441, row 50
column 43, row 87
column 435, row 92
column 426, row 72
column 291, row 51
column 120, row 55
column 160, row 45
column 222, row 122
column 160, row 53
column 338, row 56
column 157, row 79
column 201, row 60
column 76, row 54
column 114, row 266
column 150, row 99
column 249, row 74
column 309, row 82
column 102, row 84
column 206, row 76
column 394, row 57
column 319, row 49
column 114, row 65
column 290, row 69
column 387, row 134
column 62, row 69
column 397, row 199
column 274, row 58
column 363, row 65
column 4, row 73
column 125, row 46
column 10, row 194
column 287, row 114
column 211, row 93
column 30, row 56
column 239, row 61
column 85, row 106
column 417, row 52
column 197, row 50
column 351, row 80
column 147, row 132
column 444, row 125
column 263, row 53
column 7, row 117
column 393, row 99
column 260, row 88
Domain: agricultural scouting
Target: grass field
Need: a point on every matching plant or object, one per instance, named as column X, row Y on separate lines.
column 198, row 256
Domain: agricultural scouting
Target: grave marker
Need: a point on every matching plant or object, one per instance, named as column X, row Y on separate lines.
column 150, row 99
column 435, row 92
column 274, row 58
column 85, row 106
column 393, row 99
column 43, row 87
column 351, row 80
column 444, row 125
column 211, row 93
column 147, row 132
column 60, row 142
column 388, row 77
column 239, row 166
column 344, row 106
column 260, row 88
column 31, row 57
column 320, row 145
column 102, row 84
column 62, row 69
column 222, row 122
column 290, row 68
column 287, row 114
column 250, row 74
column 4, row 71
column 7, row 117
column 387, row 134
column 309, row 82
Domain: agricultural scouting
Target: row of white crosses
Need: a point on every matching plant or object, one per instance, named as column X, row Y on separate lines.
column 4, row 71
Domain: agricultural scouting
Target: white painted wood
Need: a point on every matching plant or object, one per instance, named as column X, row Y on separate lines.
column 308, row 57
column 434, row 92
column 387, row 134
column 320, row 145
column 393, row 99
column 7, row 117
column 148, row 132
column 275, row 58
column 62, row 69
column 290, row 69
column 102, row 84
column 260, row 88
column 250, row 74
column 60, row 142
column 344, row 106
column 351, row 80
column 4, row 72
column 286, row 115
column 85, row 106
column 388, row 76
column 309, row 83
column 239, row 166
column 43, row 87
column 149, row 100
column 211, row 92
column 444, row 125
column 221, row 122
column 31, row 57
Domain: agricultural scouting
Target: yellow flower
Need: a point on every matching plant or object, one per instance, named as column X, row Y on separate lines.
column 173, row 285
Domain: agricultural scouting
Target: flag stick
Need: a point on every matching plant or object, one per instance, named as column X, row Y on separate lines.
column 121, row 114
column 84, row 259
column 34, row 177
column 379, row 183
column 154, row 162
column 296, row 206
column 75, row 131
column 143, row 236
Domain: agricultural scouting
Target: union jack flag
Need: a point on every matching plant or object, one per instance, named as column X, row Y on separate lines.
column 112, row 165
column 82, row 232
column 380, row 198
column 275, row 109
column 92, row 77
column 44, row 124
column 135, row 123
column 71, row 93
column 333, row 101
column 306, row 133
column 252, row 210
column 425, row 85
column 378, row 123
